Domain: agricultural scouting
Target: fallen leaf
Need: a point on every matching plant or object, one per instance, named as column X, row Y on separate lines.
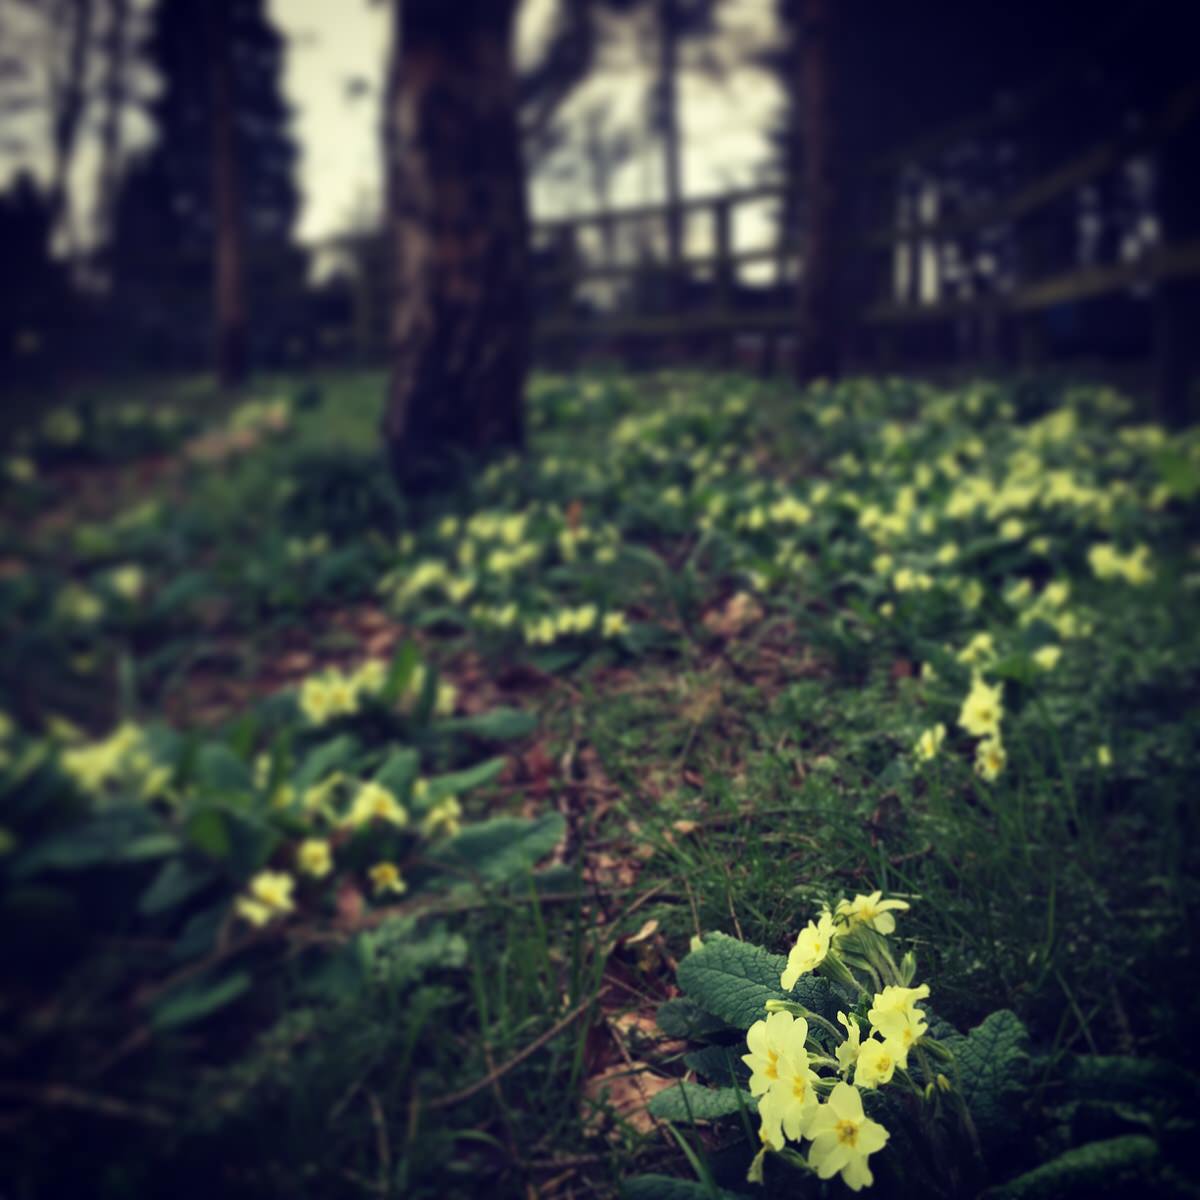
column 622, row 1092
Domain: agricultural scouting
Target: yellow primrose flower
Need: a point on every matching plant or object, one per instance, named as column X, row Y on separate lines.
column 982, row 709
column 847, row 1052
column 444, row 817
column 1104, row 756
column 459, row 589
column 374, row 802
column 908, row 580
column 1056, row 594
column 1019, row 592
column 930, row 742
column 1107, row 562
column 543, row 631
column 445, row 699
column 895, row 1015
column 283, row 796
column 340, row 694
column 262, row 770
column 370, row 676
column 314, row 701
column 843, row 1138
column 316, row 798
column 876, row 1063
column 980, row 649
column 1047, row 657
column 812, row 945
column 947, row 553
column 76, row 603
column 613, row 625
column 871, row 910
column 769, row 1040
column 1012, row 529
column 314, row 857
column 990, row 758
column 971, row 594
column 20, row 469
column 385, row 877
column 270, row 896
column 127, row 581
column 791, row 1101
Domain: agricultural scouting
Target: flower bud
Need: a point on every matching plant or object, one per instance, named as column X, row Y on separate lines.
column 788, row 1006
column 696, row 942
column 943, row 1082
column 929, row 1091
column 908, row 968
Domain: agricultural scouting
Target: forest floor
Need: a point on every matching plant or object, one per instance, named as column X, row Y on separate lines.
column 352, row 847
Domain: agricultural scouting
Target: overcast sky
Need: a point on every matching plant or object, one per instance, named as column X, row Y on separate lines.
column 333, row 44
column 725, row 124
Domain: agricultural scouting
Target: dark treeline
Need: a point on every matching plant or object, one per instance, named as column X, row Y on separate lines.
column 194, row 258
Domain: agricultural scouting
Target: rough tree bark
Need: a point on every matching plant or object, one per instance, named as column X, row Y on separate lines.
column 229, row 296
column 457, row 233
column 818, row 333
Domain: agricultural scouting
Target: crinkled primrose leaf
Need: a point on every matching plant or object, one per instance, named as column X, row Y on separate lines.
column 734, row 980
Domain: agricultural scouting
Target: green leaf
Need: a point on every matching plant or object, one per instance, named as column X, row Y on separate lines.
column 992, row 1063
column 721, row 1065
column 209, row 831
column 499, row 849
column 464, row 781
column 499, row 725
column 734, row 980
column 323, row 759
column 199, row 1000
column 123, row 835
column 666, row 1187
column 1103, row 1076
column 176, row 882
column 394, row 952
column 399, row 770
column 220, row 770
column 1099, row 1168
column 684, row 1018
column 691, row 1102
column 400, row 672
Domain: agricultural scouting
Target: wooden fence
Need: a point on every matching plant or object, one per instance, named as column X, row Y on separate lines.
column 966, row 244
column 986, row 274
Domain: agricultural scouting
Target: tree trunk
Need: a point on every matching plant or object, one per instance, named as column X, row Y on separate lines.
column 668, row 115
column 68, row 105
column 1177, row 301
column 115, row 90
column 818, row 334
column 229, row 298
column 457, row 234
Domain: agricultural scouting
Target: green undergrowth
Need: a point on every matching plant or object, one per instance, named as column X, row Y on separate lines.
column 340, row 836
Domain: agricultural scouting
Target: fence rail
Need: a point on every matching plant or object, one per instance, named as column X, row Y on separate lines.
column 1034, row 219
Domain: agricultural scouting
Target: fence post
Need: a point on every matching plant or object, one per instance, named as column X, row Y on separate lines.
column 1177, row 301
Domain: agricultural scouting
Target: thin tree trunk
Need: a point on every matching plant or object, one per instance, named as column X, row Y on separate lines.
column 69, row 103
column 117, row 65
column 668, row 114
column 818, row 332
column 228, row 268
column 457, row 231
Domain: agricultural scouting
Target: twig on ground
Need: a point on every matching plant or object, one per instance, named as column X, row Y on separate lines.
column 516, row 1060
